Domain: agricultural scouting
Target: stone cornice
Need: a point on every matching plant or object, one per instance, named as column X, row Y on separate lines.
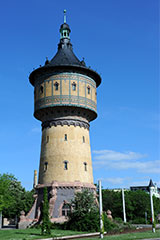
column 67, row 122
column 75, row 184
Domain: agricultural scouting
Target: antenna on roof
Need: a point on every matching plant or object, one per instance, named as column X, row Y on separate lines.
column 64, row 11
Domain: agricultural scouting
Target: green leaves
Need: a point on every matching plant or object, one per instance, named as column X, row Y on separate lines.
column 137, row 203
column 13, row 197
column 84, row 214
column 46, row 224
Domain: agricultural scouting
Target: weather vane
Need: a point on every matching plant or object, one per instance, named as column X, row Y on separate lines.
column 64, row 11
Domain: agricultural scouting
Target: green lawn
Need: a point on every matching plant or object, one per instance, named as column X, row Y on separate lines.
column 28, row 234
column 130, row 236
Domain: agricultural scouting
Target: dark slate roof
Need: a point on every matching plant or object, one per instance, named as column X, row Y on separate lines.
column 65, row 56
column 65, row 26
column 151, row 184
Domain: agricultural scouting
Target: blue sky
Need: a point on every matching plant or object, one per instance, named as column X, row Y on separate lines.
column 119, row 39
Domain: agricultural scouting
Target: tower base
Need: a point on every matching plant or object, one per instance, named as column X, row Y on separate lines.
column 59, row 195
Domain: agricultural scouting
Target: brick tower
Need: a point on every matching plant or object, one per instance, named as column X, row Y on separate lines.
column 65, row 103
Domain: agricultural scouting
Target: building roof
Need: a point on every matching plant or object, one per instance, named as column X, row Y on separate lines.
column 151, row 184
column 65, row 58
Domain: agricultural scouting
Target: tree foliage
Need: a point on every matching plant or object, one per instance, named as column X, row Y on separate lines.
column 13, row 197
column 46, row 224
column 83, row 203
column 136, row 203
column 84, row 214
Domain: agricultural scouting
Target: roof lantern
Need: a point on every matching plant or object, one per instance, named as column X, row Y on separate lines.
column 64, row 29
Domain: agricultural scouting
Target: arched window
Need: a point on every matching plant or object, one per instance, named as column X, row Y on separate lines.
column 45, row 166
column 41, row 89
column 47, row 139
column 65, row 137
column 83, row 139
column 66, row 209
column 74, row 86
column 56, row 86
column 85, row 166
column 88, row 89
column 65, row 165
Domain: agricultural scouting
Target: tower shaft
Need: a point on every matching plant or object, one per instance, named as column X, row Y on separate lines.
column 65, row 154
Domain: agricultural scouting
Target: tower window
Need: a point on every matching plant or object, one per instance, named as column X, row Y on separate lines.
column 47, row 139
column 83, row 139
column 65, row 165
column 41, row 89
column 66, row 209
column 56, row 86
column 88, row 89
column 74, row 86
column 85, row 166
column 65, row 137
column 45, row 166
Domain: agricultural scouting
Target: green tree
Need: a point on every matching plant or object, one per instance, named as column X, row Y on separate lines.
column 46, row 224
column 84, row 214
column 13, row 197
column 156, row 204
column 5, row 197
column 140, row 202
column 136, row 203
column 113, row 201
column 84, row 202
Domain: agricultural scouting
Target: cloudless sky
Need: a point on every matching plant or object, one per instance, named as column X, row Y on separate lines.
column 119, row 39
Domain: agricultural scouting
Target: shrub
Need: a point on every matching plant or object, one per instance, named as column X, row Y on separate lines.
column 88, row 222
column 110, row 226
column 139, row 221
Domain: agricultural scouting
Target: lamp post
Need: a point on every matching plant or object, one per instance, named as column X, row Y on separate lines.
column 100, row 209
column 0, row 219
column 152, row 209
column 124, row 209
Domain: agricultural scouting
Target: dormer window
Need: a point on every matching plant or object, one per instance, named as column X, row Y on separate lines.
column 74, row 86
column 88, row 89
column 56, row 86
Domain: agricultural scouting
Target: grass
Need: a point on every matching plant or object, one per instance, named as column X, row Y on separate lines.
column 131, row 236
column 27, row 234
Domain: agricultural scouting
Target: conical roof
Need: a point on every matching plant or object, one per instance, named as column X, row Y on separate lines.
column 65, row 59
column 65, row 56
column 151, row 184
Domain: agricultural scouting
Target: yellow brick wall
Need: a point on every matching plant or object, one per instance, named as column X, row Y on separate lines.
column 48, row 88
column 65, row 87
column 65, row 90
column 57, row 150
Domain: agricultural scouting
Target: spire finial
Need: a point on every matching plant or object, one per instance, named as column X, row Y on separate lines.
column 64, row 11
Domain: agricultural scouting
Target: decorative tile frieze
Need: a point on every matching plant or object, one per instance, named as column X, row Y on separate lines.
column 67, row 122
